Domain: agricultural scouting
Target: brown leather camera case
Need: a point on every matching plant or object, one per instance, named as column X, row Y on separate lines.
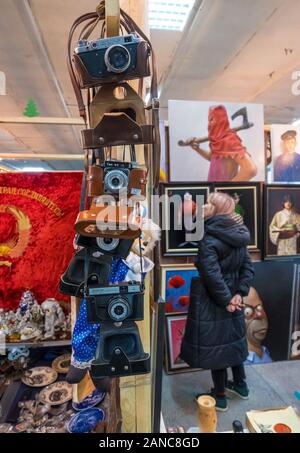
column 109, row 221
column 136, row 186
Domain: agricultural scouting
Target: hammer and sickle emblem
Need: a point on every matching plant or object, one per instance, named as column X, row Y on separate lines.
column 15, row 247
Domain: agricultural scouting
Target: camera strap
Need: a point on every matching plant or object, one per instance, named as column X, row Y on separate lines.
column 126, row 23
column 86, row 271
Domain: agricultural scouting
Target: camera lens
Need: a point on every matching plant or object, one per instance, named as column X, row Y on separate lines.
column 117, row 58
column 115, row 180
column 118, row 309
column 107, row 244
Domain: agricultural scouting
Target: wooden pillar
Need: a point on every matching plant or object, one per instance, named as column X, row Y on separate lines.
column 136, row 390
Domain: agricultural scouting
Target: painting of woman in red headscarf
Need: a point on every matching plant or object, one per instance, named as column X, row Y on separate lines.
column 226, row 142
column 229, row 158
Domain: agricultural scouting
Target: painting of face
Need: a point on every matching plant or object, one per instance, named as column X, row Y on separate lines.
column 285, row 166
column 268, row 309
column 282, row 234
column 216, row 141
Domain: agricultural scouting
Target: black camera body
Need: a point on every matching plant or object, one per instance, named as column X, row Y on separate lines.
column 115, row 303
column 119, row 352
column 105, row 57
column 116, row 176
column 107, row 246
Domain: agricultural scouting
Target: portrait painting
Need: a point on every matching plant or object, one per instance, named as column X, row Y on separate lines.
column 285, row 142
column 247, row 205
column 182, row 218
column 216, row 141
column 268, row 309
column 176, row 281
column 282, row 223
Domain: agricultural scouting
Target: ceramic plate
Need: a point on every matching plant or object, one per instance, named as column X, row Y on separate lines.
column 86, row 420
column 57, row 393
column 62, row 363
column 92, row 400
column 39, row 376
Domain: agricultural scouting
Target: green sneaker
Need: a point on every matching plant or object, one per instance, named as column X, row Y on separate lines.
column 240, row 390
column 221, row 401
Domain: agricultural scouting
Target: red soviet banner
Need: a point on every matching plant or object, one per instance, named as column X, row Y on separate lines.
column 37, row 215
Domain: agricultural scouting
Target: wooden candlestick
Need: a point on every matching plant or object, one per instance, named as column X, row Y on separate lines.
column 207, row 416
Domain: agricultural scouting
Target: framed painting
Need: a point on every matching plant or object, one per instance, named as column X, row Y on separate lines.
column 247, row 199
column 282, row 221
column 285, row 143
column 175, row 286
column 216, row 141
column 268, row 311
column 175, row 326
column 181, row 218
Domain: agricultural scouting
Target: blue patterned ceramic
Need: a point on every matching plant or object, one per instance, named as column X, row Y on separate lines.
column 86, row 420
column 90, row 401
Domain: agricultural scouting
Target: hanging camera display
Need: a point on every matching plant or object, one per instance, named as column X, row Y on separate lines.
column 109, row 225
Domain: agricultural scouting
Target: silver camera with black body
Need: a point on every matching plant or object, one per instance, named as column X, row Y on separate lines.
column 106, row 56
column 116, row 303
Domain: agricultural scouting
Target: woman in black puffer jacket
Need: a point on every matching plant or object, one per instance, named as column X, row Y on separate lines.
column 215, row 334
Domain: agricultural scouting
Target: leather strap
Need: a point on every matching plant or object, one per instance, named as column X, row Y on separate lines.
column 126, row 23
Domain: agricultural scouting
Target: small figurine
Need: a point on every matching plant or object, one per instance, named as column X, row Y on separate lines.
column 138, row 261
column 54, row 317
column 29, row 317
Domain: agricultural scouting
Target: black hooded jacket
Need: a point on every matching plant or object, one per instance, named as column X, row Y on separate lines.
column 215, row 338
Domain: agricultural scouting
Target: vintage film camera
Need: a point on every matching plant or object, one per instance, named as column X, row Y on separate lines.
column 106, row 245
column 107, row 60
column 86, row 265
column 116, row 303
column 117, row 178
column 120, row 352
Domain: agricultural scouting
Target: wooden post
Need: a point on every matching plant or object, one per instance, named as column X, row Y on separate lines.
column 112, row 17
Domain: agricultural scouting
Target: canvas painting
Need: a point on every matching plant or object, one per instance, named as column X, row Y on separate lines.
column 176, row 282
column 175, row 331
column 285, row 142
column 268, row 310
column 247, row 205
column 282, row 227
column 182, row 217
column 216, row 141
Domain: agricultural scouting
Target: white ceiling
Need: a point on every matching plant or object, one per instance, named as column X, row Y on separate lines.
column 231, row 50
column 243, row 51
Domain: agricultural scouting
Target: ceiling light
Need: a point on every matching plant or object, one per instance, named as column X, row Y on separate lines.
column 169, row 15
